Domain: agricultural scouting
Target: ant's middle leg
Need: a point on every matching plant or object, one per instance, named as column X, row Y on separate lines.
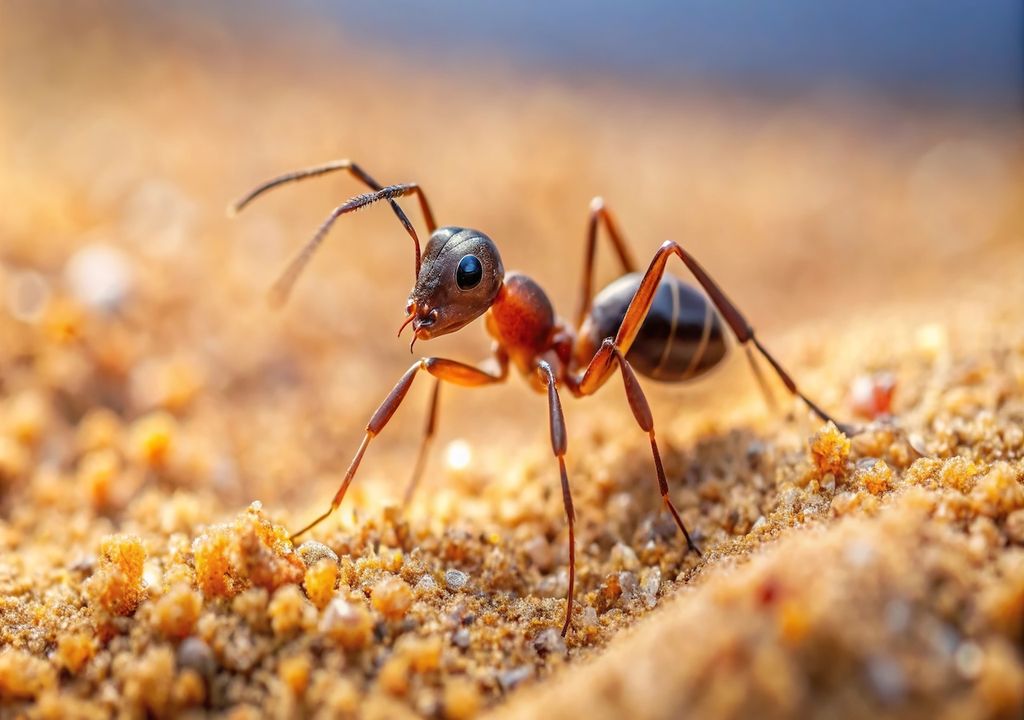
column 447, row 370
column 587, row 382
column 600, row 214
column 642, row 412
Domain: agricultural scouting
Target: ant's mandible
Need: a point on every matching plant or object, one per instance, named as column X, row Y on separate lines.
column 650, row 323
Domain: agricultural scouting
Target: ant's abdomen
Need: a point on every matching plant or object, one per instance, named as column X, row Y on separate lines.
column 681, row 337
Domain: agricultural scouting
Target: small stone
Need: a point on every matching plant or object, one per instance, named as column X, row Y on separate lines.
column 460, row 638
column 969, row 660
column 649, row 586
column 628, row 583
column 426, row 584
column 887, row 678
column 549, row 642
column 455, row 580
column 589, row 617
column 195, row 654
column 509, row 679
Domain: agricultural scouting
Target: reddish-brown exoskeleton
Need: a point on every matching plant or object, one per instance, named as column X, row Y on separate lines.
column 652, row 323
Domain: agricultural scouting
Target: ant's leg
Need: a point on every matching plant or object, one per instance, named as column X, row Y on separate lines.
column 600, row 213
column 559, row 443
column 641, row 304
column 587, row 382
column 448, row 370
column 347, row 165
column 499, row 367
column 421, row 456
column 642, row 412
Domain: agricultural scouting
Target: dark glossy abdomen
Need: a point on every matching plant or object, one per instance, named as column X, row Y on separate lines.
column 680, row 338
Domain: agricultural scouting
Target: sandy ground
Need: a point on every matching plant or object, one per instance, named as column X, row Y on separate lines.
column 148, row 397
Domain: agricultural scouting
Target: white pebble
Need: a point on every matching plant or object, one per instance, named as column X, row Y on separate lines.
column 549, row 642
column 458, row 455
column 99, row 276
column 650, row 585
column 455, row 580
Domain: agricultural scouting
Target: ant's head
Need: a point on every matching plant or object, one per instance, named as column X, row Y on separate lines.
column 459, row 278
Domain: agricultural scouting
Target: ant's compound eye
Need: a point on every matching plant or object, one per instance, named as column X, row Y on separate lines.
column 470, row 272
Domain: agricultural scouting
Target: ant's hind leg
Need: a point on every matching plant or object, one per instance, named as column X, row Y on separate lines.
column 641, row 304
column 642, row 412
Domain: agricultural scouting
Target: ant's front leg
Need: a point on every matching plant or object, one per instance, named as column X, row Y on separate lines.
column 451, row 371
column 500, row 368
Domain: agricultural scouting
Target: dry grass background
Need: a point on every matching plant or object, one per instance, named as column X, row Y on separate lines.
column 843, row 227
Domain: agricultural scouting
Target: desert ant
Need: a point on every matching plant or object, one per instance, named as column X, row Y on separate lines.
column 652, row 323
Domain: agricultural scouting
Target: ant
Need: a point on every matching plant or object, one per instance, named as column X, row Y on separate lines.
column 651, row 323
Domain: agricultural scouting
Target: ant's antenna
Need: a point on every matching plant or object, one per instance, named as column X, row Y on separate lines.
column 281, row 289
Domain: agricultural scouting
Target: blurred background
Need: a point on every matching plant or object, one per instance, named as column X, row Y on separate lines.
column 824, row 160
